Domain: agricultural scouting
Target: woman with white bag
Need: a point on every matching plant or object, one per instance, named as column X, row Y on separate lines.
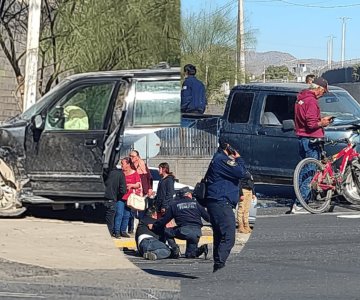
column 133, row 185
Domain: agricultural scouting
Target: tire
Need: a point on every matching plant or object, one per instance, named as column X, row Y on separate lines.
column 350, row 191
column 311, row 198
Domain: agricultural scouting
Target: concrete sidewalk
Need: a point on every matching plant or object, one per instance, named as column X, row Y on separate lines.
column 58, row 244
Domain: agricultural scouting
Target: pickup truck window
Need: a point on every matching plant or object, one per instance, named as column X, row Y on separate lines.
column 240, row 107
column 81, row 109
column 277, row 109
column 157, row 103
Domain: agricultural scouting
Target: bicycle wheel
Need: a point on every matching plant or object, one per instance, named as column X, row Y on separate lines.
column 307, row 191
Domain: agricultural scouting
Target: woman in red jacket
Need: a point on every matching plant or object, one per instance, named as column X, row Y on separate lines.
column 133, row 185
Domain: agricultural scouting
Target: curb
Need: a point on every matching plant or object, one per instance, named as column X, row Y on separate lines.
column 130, row 242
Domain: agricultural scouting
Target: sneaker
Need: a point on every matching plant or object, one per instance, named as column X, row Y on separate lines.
column 125, row 235
column 117, row 236
column 298, row 210
column 150, row 256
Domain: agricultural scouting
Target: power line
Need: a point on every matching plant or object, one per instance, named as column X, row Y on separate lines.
column 318, row 6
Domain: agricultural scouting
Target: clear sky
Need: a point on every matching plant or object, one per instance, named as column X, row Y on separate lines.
column 299, row 27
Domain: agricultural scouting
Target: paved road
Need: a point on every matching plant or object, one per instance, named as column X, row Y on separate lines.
column 287, row 257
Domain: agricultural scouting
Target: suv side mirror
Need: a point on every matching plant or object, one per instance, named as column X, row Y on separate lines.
column 288, row 125
column 38, row 122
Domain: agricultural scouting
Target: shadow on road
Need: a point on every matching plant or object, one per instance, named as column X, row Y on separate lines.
column 88, row 214
column 169, row 274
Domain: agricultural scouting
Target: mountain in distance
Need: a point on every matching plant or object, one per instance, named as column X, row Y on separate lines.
column 257, row 61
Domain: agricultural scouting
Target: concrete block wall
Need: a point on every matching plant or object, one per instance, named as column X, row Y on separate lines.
column 188, row 170
column 8, row 85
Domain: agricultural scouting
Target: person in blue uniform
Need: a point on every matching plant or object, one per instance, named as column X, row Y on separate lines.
column 193, row 96
column 222, row 195
column 187, row 213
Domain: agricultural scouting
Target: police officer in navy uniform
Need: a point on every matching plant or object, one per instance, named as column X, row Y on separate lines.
column 222, row 195
column 193, row 96
column 187, row 213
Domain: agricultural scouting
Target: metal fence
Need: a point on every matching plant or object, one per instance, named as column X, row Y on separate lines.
column 186, row 142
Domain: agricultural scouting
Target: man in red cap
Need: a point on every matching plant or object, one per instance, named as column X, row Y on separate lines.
column 308, row 122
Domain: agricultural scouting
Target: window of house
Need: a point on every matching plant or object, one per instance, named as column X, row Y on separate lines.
column 157, row 103
column 277, row 109
column 83, row 108
column 240, row 107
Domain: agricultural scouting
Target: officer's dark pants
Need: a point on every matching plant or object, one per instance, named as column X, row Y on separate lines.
column 110, row 215
column 151, row 244
column 222, row 219
column 191, row 234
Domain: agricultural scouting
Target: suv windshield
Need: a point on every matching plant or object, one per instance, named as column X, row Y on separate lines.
column 44, row 100
column 340, row 105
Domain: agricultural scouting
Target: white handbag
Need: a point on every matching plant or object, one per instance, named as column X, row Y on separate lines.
column 136, row 202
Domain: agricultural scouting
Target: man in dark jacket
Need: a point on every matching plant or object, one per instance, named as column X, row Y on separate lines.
column 115, row 189
column 148, row 243
column 187, row 213
column 193, row 96
column 222, row 187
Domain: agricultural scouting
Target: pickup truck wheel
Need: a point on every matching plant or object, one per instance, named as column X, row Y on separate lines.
column 351, row 191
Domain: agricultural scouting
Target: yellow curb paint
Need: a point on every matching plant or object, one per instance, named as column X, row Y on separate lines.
column 130, row 243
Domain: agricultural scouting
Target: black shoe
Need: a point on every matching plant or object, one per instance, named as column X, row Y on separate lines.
column 125, row 235
column 175, row 252
column 203, row 249
column 117, row 235
column 131, row 232
column 218, row 266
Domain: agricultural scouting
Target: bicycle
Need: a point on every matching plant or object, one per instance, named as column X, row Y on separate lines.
column 316, row 182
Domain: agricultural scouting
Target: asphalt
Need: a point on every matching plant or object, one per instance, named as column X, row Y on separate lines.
column 287, row 257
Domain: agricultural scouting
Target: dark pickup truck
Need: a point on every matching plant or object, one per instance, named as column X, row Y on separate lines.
column 259, row 121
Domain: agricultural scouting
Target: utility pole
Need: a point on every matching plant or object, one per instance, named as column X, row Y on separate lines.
column 330, row 51
column 343, row 39
column 32, row 52
column 264, row 79
column 240, row 59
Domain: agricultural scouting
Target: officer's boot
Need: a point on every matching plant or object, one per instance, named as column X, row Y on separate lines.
column 247, row 203
column 203, row 249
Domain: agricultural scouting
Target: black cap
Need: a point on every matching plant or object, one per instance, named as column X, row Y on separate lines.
column 183, row 191
column 190, row 69
column 321, row 82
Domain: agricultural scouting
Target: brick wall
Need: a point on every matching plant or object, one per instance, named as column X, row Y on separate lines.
column 187, row 170
column 8, row 85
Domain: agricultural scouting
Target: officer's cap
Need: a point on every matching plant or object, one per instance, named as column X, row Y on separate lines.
column 183, row 191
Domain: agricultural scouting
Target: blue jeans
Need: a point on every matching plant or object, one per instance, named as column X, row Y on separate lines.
column 191, row 234
column 306, row 150
column 121, row 217
column 151, row 244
